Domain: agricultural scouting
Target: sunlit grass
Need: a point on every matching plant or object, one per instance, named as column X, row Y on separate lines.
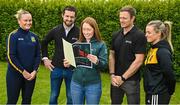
column 42, row 89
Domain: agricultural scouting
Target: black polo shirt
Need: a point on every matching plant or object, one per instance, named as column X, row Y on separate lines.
column 125, row 47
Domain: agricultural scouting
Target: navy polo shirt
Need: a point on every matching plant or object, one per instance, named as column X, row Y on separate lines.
column 125, row 47
column 23, row 51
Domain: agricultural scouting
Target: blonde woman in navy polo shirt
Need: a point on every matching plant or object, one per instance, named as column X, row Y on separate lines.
column 23, row 56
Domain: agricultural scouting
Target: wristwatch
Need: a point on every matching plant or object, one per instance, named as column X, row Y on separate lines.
column 123, row 79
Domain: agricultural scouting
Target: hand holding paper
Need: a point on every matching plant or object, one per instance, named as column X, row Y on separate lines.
column 68, row 53
column 76, row 54
column 66, row 63
column 93, row 58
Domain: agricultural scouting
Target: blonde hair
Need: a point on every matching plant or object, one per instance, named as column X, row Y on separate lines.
column 164, row 28
column 20, row 12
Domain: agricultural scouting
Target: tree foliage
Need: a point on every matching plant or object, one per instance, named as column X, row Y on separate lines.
column 47, row 14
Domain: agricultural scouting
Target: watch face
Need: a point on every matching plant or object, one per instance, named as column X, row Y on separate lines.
column 123, row 78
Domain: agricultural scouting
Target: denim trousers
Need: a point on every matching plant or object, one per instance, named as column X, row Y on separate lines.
column 57, row 76
column 90, row 94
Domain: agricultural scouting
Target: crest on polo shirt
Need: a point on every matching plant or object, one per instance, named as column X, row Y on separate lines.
column 20, row 38
column 33, row 39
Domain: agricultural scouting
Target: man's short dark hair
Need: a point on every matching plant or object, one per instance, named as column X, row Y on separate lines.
column 70, row 8
column 131, row 10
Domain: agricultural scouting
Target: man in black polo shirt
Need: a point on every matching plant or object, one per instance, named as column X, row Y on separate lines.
column 70, row 32
column 126, row 56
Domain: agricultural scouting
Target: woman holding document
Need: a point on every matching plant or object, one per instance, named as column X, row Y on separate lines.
column 86, row 81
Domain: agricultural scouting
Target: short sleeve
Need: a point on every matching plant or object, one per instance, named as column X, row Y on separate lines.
column 140, row 46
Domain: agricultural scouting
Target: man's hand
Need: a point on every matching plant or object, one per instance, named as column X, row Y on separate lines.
column 116, row 80
column 113, row 80
column 119, row 80
column 48, row 64
column 66, row 63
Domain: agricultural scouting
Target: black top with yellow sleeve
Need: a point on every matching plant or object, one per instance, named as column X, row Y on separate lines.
column 158, row 75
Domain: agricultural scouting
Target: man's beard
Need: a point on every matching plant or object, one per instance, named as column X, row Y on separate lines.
column 68, row 25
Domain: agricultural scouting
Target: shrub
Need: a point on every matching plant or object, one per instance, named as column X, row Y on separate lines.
column 47, row 14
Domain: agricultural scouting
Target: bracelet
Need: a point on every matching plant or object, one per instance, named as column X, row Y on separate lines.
column 111, row 73
column 123, row 79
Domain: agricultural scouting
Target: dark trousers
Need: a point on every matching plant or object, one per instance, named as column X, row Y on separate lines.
column 130, row 88
column 15, row 83
column 158, row 99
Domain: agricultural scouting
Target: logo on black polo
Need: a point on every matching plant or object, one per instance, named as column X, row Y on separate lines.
column 75, row 39
column 128, row 41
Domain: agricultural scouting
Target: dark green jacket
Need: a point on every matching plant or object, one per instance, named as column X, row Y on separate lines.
column 87, row 76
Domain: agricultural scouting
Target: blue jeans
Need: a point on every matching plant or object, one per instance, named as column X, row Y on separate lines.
column 91, row 93
column 57, row 76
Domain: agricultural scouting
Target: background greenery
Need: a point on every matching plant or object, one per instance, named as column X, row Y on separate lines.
column 42, row 89
column 47, row 14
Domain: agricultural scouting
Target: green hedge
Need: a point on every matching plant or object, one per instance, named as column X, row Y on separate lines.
column 47, row 14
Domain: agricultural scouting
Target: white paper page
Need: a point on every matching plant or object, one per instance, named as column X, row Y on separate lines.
column 68, row 52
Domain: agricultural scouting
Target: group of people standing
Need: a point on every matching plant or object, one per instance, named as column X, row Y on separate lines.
column 83, row 85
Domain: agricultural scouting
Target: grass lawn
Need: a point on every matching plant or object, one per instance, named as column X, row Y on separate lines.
column 42, row 88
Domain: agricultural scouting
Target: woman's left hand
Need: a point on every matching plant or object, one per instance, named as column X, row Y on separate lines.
column 94, row 59
column 33, row 75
